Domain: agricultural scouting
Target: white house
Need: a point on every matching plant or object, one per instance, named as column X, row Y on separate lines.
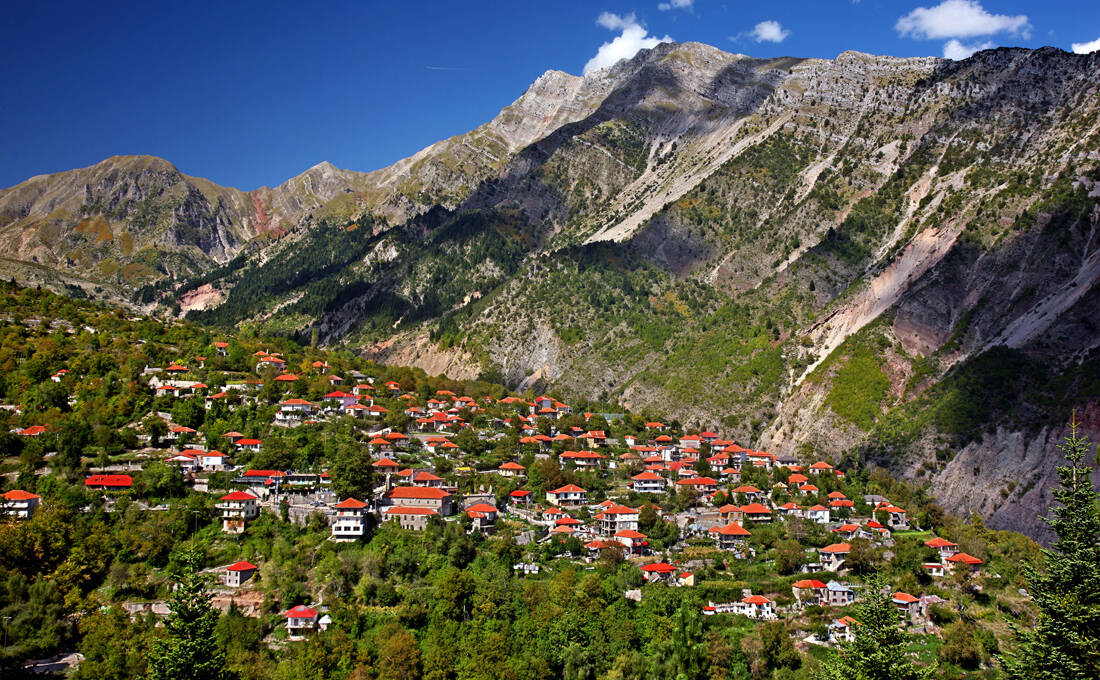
column 294, row 409
column 648, row 482
column 833, row 556
column 570, row 494
column 237, row 509
column 238, row 573
column 616, row 518
column 301, row 619
column 18, row 503
column 350, row 521
column 213, row 460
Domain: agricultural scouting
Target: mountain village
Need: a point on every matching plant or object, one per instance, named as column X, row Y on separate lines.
column 706, row 495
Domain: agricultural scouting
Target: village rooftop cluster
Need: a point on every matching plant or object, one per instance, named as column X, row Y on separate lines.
column 574, row 486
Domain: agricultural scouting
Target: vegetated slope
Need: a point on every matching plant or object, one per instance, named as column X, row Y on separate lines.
column 825, row 255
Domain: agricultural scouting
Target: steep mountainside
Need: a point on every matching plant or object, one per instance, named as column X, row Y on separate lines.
column 894, row 259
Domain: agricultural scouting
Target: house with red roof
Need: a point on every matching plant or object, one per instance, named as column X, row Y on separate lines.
column 581, row 459
column 964, row 561
column 520, row 497
column 430, row 498
column 842, row 630
column 634, row 541
column 808, row 591
column 615, row 518
column 213, row 460
column 483, row 517
column 570, row 494
column 19, row 504
column 248, row 444
column 301, row 619
column 732, row 537
column 648, row 482
column 293, row 410
column 945, row 547
column 908, row 606
column 659, row 571
column 511, row 469
column 755, row 512
column 833, row 556
column 32, row 431
column 414, row 518
column 238, row 573
column 732, row 513
column 238, row 508
column 425, row 478
column 386, row 466
column 820, row 467
column 759, row 607
column 897, row 518
column 750, row 491
column 350, row 521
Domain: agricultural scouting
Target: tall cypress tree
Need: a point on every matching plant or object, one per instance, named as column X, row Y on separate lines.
column 1064, row 644
column 878, row 650
column 189, row 651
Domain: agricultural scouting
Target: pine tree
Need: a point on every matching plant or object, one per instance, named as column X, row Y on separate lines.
column 878, row 650
column 189, row 651
column 1064, row 644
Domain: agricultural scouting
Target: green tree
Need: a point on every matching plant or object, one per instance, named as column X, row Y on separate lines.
column 189, row 650
column 778, row 650
column 1064, row 643
column 398, row 653
column 156, row 428
column 878, row 650
column 960, row 645
column 352, row 474
column 789, row 556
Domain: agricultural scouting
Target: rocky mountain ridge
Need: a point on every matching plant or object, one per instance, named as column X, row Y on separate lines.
column 872, row 257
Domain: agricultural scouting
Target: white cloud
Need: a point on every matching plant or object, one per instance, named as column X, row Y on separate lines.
column 631, row 39
column 953, row 49
column 1086, row 47
column 959, row 19
column 769, row 31
column 675, row 4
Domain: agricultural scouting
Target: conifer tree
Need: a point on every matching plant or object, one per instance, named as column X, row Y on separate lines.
column 189, row 651
column 1064, row 644
column 878, row 650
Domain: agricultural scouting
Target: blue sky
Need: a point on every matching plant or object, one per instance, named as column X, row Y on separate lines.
column 249, row 93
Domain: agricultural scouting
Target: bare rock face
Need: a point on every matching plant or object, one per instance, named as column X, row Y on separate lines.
column 1006, row 477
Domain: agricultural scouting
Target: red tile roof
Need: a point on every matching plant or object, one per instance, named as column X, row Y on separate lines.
column 939, row 542
column 568, row 488
column 404, row 510
column 964, row 558
column 731, row 529
column 112, row 481
column 808, row 583
column 418, row 492
column 19, row 495
column 350, row 504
